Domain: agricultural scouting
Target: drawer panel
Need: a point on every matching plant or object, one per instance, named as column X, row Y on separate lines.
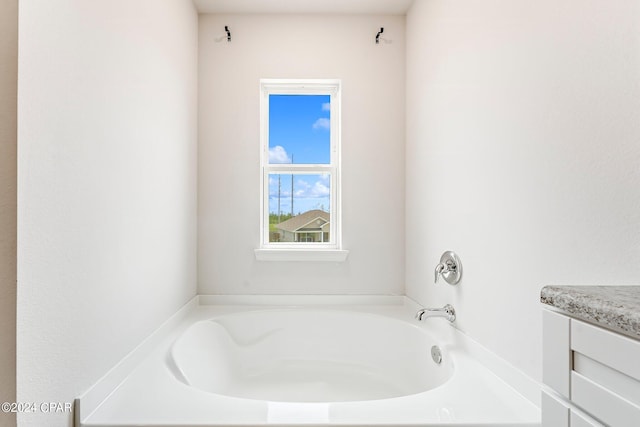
column 608, row 378
column 609, row 348
column 603, row 404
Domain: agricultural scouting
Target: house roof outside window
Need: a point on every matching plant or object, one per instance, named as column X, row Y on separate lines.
column 306, row 220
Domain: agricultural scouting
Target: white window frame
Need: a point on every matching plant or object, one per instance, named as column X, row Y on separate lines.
column 301, row 251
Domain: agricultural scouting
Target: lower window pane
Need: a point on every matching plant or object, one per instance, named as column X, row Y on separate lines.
column 299, row 209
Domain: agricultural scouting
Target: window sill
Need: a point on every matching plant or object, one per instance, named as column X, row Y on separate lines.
column 330, row 255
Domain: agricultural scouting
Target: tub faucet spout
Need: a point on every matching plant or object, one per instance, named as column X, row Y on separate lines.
column 447, row 312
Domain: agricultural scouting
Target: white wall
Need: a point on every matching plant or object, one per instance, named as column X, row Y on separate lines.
column 523, row 154
column 293, row 46
column 106, row 186
column 8, row 148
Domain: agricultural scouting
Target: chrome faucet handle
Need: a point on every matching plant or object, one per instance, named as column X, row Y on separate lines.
column 450, row 268
column 439, row 270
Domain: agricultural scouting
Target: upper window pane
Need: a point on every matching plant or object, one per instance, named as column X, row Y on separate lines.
column 299, row 129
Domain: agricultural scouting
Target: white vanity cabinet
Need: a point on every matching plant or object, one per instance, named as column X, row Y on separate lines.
column 591, row 375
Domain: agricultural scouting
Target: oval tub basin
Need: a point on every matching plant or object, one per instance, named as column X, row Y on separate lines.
column 308, row 355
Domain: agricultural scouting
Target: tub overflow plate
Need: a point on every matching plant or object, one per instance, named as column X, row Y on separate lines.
column 436, row 354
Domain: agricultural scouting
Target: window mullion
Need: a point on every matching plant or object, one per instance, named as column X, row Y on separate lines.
column 299, row 169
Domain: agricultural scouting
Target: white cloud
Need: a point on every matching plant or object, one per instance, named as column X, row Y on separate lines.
column 308, row 190
column 311, row 192
column 319, row 190
column 326, row 106
column 278, row 155
column 322, row 123
column 302, row 189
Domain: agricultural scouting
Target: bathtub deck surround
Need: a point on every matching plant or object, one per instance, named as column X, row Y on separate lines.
column 281, row 360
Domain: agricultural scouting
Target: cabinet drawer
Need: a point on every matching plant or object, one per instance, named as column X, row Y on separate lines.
column 602, row 403
column 609, row 348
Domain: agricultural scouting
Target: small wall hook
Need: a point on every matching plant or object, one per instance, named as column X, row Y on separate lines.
column 378, row 35
column 226, row 28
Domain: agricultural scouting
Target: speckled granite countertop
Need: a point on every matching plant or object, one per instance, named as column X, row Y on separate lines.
column 613, row 307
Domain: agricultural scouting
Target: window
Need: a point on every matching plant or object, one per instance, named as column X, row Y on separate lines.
column 300, row 165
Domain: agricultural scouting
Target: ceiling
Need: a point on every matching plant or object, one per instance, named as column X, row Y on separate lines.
column 382, row 7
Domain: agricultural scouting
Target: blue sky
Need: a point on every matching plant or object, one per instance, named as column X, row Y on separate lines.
column 299, row 128
column 309, row 192
column 299, row 125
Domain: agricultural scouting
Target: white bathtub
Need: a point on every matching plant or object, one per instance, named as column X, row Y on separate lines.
column 337, row 362
column 308, row 355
